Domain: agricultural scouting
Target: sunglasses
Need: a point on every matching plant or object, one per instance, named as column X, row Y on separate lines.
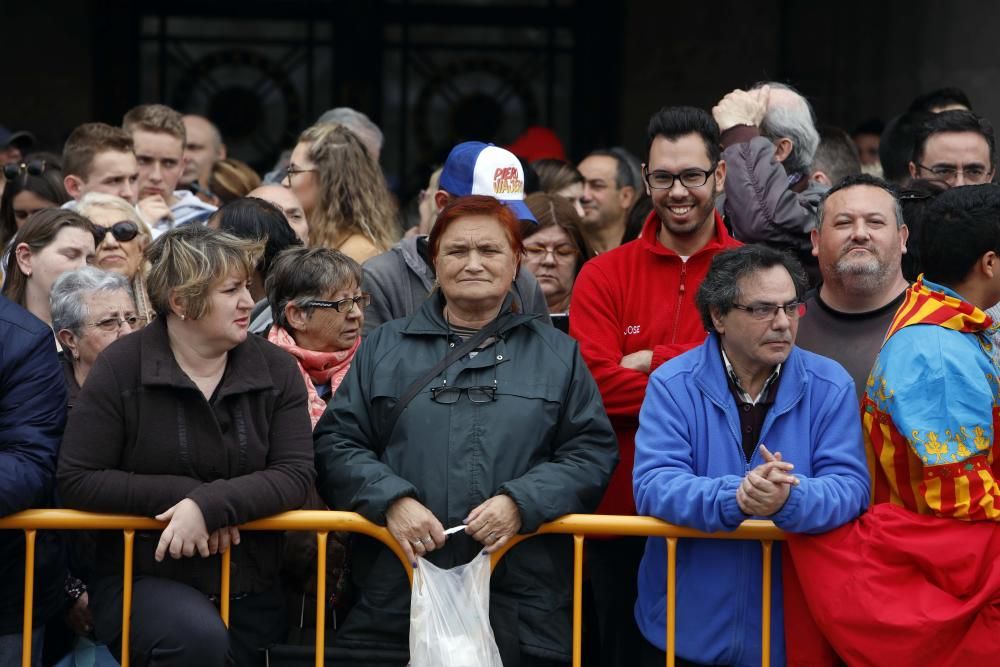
column 14, row 169
column 123, row 231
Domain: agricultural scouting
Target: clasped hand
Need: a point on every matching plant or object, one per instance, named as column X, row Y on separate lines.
column 186, row 533
column 765, row 489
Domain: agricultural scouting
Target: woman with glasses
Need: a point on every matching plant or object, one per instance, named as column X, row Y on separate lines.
column 474, row 416
column 122, row 239
column 318, row 310
column 554, row 250
column 33, row 184
column 203, row 427
column 343, row 192
column 50, row 243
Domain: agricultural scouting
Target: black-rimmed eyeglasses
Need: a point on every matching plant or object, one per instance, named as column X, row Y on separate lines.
column 123, row 231
column 689, row 178
column 344, row 305
column 768, row 311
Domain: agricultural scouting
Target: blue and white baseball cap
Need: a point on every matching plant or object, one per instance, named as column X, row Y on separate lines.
column 475, row 168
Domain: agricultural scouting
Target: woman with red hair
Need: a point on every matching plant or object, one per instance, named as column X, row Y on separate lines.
column 467, row 413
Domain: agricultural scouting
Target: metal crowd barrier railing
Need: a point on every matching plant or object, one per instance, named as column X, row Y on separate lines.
column 323, row 522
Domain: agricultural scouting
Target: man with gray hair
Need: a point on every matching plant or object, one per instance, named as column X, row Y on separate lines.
column 859, row 242
column 836, row 157
column 358, row 123
column 612, row 182
column 769, row 139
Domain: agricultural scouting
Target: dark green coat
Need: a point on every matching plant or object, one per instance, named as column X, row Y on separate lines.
column 545, row 441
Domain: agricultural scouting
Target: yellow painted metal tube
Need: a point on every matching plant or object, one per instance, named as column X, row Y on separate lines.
column 765, row 606
column 129, row 536
column 224, row 585
column 320, row 597
column 29, row 595
column 671, row 600
column 577, row 600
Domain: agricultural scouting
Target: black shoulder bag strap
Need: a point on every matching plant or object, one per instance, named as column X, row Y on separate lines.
column 454, row 355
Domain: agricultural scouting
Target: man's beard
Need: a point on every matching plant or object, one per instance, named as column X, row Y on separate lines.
column 864, row 277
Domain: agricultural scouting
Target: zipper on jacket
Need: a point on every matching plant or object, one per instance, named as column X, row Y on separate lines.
column 680, row 301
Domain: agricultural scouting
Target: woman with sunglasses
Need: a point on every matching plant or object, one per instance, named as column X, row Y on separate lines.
column 50, row 243
column 33, row 184
column 318, row 310
column 195, row 423
column 472, row 415
column 122, row 238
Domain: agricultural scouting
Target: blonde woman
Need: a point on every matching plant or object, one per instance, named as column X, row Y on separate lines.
column 343, row 192
column 123, row 237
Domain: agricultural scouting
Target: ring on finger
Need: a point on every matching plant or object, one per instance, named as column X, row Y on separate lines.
column 427, row 540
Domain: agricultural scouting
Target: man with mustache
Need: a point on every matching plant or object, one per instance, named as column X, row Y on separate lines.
column 720, row 432
column 859, row 243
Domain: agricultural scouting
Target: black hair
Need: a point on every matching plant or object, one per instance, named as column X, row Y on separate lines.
column 854, row 181
column 720, row 289
column 629, row 171
column 915, row 200
column 870, row 126
column 676, row 122
column 895, row 148
column 966, row 225
column 252, row 218
column 48, row 185
column 942, row 97
column 953, row 121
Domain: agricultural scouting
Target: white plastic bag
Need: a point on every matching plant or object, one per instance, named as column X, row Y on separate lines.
column 450, row 616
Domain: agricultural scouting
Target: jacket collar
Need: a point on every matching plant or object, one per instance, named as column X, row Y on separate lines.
column 429, row 319
column 246, row 367
column 710, row 376
column 649, row 236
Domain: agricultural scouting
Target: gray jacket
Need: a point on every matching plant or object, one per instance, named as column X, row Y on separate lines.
column 545, row 441
column 400, row 280
column 760, row 206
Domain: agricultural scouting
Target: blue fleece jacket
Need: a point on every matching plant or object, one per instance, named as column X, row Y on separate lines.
column 689, row 462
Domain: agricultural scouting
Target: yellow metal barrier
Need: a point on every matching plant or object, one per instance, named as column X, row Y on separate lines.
column 322, row 522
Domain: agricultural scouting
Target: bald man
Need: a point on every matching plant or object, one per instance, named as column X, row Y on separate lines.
column 202, row 149
column 286, row 200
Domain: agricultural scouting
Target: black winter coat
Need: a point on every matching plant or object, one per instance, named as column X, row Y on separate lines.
column 545, row 441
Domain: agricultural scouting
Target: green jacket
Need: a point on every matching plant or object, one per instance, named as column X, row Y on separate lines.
column 545, row 441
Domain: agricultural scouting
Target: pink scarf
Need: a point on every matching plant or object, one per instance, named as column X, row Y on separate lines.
column 316, row 367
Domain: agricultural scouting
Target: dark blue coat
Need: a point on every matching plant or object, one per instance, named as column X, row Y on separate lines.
column 32, row 416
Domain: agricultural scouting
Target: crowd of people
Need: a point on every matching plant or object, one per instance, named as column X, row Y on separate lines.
column 761, row 318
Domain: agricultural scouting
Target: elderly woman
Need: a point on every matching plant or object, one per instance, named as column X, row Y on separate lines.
column 196, row 424
column 467, row 412
column 554, row 250
column 90, row 310
column 50, row 243
column 318, row 310
column 343, row 192
column 122, row 238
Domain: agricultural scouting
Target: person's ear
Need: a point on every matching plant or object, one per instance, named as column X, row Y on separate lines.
column 913, row 170
column 177, row 305
column 626, row 197
column 73, row 185
column 69, row 342
column 821, row 177
column 782, row 149
column 22, row 253
column 645, row 182
column 814, row 239
column 720, row 177
column 717, row 322
column 441, row 199
column 904, row 236
column 297, row 317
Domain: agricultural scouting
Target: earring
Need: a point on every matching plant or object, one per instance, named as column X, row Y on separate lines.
column 183, row 316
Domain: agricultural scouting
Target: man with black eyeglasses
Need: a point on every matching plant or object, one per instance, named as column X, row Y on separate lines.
column 721, row 431
column 632, row 309
column 955, row 147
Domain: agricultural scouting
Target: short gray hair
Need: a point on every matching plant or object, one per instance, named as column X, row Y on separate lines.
column 303, row 275
column 358, row 123
column 796, row 122
column 629, row 170
column 859, row 180
column 67, row 300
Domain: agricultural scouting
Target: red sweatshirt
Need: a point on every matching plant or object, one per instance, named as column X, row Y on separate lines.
column 639, row 296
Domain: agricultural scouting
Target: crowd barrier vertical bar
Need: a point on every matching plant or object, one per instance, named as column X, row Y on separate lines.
column 224, row 586
column 765, row 620
column 29, row 595
column 671, row 599
column 129, row 536
column 320, row 597
column 577, row 599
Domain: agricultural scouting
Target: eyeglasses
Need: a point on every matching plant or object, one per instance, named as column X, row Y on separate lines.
column 973, row 174
column 450, row 395
column 123, row 231
column 344, row 305
column 767, row 311
column 689, row 178
column 13, row 169
column 291, row 171
column 115, row 322
column 560, row 252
